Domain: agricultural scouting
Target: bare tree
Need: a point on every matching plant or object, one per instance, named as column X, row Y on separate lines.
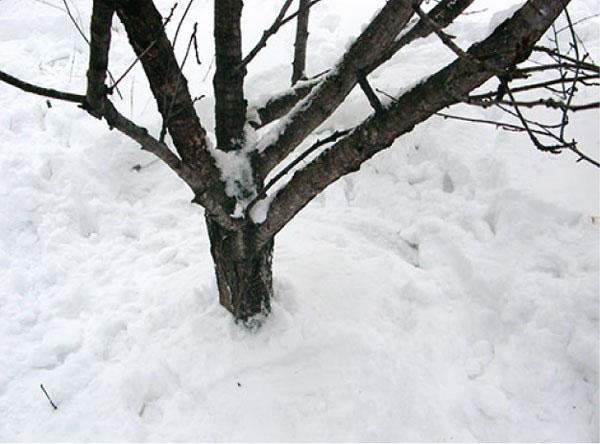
column 245, row 211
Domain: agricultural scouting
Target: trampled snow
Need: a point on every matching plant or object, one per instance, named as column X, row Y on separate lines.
column 447, row 291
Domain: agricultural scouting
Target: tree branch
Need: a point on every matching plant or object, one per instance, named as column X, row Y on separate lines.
column 335, row 86
column 45, row 92
column 444, row 13
column 509, row 44
column 145, row 30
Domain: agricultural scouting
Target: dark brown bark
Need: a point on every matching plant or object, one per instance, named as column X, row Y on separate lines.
column 509, row 44
column 230, row 106
column 243, row 269
column 443, row 14
column 337, row 84
column 299, row 64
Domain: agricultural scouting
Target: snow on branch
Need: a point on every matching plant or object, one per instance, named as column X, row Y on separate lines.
column 328, row 95
column 510, row 44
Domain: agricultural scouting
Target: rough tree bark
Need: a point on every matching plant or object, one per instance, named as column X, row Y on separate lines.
column 244, row 270
column 242, row 248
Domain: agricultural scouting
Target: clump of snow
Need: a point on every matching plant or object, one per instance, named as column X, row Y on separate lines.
column 236, row 173
column 258, row 213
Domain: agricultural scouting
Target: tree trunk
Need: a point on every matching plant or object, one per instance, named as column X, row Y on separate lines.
column 244, row 272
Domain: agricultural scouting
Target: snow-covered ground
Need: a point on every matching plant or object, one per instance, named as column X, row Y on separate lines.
column 447, row 291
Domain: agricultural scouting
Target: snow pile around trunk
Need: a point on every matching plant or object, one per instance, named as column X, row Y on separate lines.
column 447, row 291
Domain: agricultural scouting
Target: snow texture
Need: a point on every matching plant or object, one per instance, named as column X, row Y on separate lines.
column 446, row 292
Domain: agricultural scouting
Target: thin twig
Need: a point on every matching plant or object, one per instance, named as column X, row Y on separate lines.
column 265, row 36
column 277, row 24
column 48, row 396
column 187, row 8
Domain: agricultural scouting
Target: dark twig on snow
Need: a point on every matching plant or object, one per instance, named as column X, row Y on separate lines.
column 277, row 24
column 48, row 396
column 265, row 36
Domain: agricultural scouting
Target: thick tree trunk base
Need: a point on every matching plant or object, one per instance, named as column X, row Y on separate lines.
column 244, row 273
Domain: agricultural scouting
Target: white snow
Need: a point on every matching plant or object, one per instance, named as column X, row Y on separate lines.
column 447, row 291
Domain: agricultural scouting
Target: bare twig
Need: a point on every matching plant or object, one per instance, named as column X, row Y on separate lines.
column 48, row 396
column 265, row 36
column 187, row 8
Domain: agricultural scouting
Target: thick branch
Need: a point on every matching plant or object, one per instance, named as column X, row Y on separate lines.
column 299, row 65
column 102, row 13
column 508, row 45
column 82, row 34
column 444, row 13
column 230, row 106
column 147, row 36
column 336, row 85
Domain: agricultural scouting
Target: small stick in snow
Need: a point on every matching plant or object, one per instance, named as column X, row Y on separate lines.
column 48, row 396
